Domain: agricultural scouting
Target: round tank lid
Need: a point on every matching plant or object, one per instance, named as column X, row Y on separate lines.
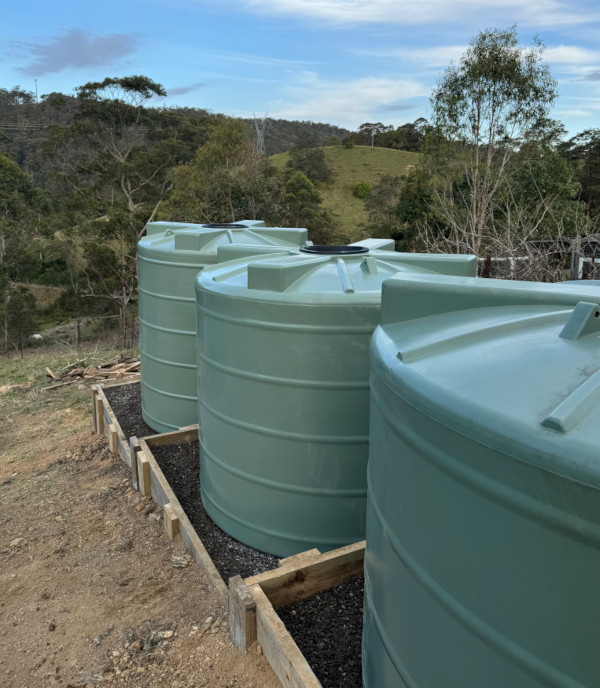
column 225, row 225
column 324, row 250
column 516, row 364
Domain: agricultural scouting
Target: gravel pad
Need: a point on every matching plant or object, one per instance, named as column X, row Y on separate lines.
column 181, row 465
column 126, row 403
column 327, row 628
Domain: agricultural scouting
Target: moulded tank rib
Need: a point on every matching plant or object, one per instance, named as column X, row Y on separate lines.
column 483, row 526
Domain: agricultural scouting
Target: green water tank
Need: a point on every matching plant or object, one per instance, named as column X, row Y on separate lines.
column 483, row 515
column 283, row 373
column 167, row 264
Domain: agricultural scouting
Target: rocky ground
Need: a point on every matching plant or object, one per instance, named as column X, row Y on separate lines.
column 91, row 589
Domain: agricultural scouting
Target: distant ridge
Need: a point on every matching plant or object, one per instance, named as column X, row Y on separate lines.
column 349, row 167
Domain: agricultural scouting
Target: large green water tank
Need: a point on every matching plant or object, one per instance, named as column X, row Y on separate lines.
column 482, row 567
column 284, row 378
column 167, row 264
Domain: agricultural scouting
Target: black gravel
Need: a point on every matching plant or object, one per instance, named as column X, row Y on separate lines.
column 181, row 465
column 327, row 628
column 126, row 403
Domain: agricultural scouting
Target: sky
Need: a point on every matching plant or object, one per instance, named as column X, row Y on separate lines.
column 339, row 61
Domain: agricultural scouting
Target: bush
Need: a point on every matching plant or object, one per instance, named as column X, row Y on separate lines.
column 361, row 190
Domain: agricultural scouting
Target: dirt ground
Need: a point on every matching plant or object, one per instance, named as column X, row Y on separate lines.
column 91, row 589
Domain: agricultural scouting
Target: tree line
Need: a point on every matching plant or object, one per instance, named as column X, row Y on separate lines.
column 497, row 176
column 80, row 177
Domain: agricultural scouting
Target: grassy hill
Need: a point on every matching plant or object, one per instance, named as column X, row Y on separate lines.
column 349, row 167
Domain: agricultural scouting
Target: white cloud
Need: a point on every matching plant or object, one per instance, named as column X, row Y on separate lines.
column 570, row 54
column 346, row 103
column 436, row 56
column 536, row 12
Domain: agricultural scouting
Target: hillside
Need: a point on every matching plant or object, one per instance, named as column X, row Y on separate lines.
column 349, row 167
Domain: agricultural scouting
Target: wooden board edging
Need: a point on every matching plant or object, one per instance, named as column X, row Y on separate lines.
column 252, row 605
column 154, row 484
column 106, row 423
column 148, row 478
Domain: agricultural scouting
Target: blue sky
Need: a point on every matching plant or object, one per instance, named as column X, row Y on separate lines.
column 338, row 61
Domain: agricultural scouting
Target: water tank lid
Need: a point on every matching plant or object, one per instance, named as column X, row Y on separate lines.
column 324, row 250
column 200, row 244
column 224, row 225
column 305, row 277
column 514, row 365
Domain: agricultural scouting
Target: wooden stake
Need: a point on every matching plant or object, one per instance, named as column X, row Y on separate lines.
column 171, row 521
column 242, row 614
column 112, row 439
column 99, row 416
column 144, row 474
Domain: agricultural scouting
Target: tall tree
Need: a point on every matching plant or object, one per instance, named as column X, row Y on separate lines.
column 20, row 204
column 485, row 108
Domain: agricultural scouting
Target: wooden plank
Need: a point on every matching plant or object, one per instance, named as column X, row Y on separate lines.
column 109, row 419
column 186, row 434
column 302, row 578
column 195, row 547
column 300, row 559
column 144, row 474
column 278, row 646
column 123, row 449
column 242, row 614
column 171, row 520
column 162, row 494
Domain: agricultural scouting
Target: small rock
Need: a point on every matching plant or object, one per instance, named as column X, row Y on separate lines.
column 13, row 476
column 208, row 623
column 259, row 649
column 116, row 653
column 140, row 670
column 179, row 562
column 17, row 542
column 167, row 635
column 140, row 506
column 58, row 518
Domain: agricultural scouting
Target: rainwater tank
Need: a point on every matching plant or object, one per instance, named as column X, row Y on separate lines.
column 284, row 377
column 482, row 567
column 167, row 264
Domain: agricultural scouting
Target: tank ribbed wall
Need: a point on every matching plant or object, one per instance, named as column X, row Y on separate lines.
column 167, row 265
column 483, row 526
column 284, row 378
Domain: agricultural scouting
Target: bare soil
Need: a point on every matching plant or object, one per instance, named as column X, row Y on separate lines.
column 91, row 589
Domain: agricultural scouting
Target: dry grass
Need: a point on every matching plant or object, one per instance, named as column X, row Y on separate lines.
column 23, row 382
column 45, row 296
column 349, row 167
